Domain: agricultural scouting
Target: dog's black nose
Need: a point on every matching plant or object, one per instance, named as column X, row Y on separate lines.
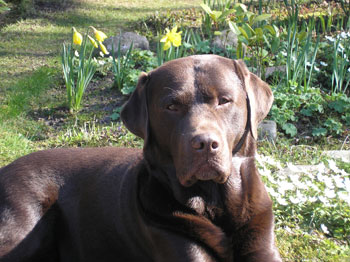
column 204, row 143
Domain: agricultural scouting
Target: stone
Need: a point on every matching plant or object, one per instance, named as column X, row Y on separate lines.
column 267, row 129
column 343, row 155
column 272, row 69
column 139, row 42
column 226, row 38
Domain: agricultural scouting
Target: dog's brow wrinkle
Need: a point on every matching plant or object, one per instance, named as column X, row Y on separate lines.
column 177, row 96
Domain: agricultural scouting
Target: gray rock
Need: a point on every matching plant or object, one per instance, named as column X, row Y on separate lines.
column 267, row 129
column 343, row 155
column 272, row 69
column 126, row 39
column 227, row 38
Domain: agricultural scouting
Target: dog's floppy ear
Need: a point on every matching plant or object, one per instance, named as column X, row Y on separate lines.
column 259, row 93
column 134, row 113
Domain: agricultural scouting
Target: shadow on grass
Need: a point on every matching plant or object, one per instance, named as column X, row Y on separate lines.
column 108, row 16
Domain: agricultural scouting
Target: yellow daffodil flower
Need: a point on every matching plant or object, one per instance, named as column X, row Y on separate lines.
column 103, row 48
column 93, row 42
column 99, row 35
column 171, row 38
column 77, row 37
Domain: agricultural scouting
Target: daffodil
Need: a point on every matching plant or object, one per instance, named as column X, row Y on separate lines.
column 171, row 38
column 99, row 35
column 77, row 37
column 93, row 42
column 103, row 48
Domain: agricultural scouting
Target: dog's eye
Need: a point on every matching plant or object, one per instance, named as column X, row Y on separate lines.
column 172, row 107
column 224, row 100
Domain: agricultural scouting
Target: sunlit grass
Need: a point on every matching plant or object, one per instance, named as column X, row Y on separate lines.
column 31, row 75
column 29, row 60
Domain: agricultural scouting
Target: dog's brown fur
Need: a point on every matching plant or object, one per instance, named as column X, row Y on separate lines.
column 193, row 194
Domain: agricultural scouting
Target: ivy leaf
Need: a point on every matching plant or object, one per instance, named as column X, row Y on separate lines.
column 306, row 112
column 116, row 113
column 337, row 106
column 334, row 125
column 319, row 131
column 346, row 118
column 290, row 129
column 127, row 89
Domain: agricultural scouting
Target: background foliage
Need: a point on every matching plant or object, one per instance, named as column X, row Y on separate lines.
column 299, row 48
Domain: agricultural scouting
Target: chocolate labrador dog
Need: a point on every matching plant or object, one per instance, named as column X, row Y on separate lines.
column 192, row 194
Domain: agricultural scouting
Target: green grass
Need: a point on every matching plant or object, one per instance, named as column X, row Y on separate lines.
column 13, row 145
column 31, row 74
column 92, row 135
column 295, row 245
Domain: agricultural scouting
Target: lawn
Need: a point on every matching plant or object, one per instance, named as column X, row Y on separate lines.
column 33, row 116
column 31, row 76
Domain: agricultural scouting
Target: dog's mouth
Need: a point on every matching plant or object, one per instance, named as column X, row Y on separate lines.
column 204, row 171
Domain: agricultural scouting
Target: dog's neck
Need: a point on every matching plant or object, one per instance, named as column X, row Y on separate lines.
column 206, row 206
column 206, row 198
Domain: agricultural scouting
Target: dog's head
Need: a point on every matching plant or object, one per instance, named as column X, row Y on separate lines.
column 194, row 113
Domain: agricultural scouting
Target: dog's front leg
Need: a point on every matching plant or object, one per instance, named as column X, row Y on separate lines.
column 250, row 212
column 258, row 241
column 173, row 247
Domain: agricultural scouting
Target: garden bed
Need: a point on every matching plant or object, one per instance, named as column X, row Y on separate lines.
column 311, row 115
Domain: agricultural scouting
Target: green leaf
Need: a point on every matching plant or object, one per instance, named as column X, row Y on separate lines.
column 240, row 8
column 249, row 30
column 227, row 12
column 276, row 30
column 127, row 89
column 242, row 39
column 306, row 112
column 215, row 15
column 290, row 129
column 116, row 113
column 275, row 44
column 334, row 125
column 187, row 45
column 346, row 118
column 259, row 33
column 234, row 28
column 260, row 18
column 323, row 24
column 338, row 106
column 206, row 9
column 319, row 131
column 302, row 36
column 271, row 29
column 243, row 32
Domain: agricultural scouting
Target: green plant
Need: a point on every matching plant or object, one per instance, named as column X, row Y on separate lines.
column 217, row 18
column 90, row 134
column 78, row 68
column 127, row 68
column 120, row 66
column 312, row 112
column 3, row 6
column 300, row 53
column 116, row 113
column 341, row 63
column 262, row 39
column 345, row 5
